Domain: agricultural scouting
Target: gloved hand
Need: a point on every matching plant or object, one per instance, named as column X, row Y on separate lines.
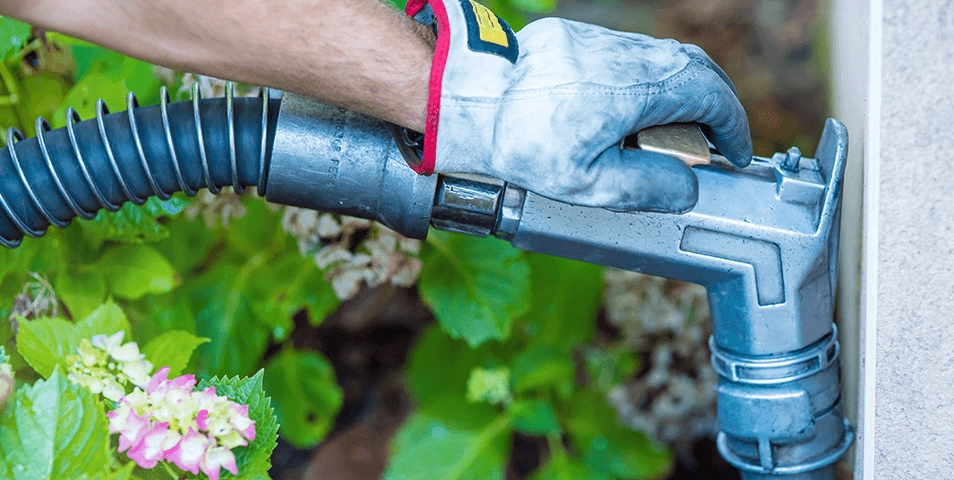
column 547, row 107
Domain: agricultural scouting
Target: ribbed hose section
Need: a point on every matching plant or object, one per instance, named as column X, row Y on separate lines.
column 130, row 156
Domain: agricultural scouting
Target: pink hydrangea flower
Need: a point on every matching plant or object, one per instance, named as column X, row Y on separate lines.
column 216, row 458
column 188, row 453
column 170, row 421
column 148, row 451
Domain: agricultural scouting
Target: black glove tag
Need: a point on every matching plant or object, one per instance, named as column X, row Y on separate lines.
column 488, row 33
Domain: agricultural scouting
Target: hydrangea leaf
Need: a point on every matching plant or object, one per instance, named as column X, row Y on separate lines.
column 133, row 271
column 307, row 395
column 608, row 367
column 561, row 467
column 534, row 417
column 566, row 299
column 542, row 367
column 172, row 349
column 81, row 292
column 136, row 224
column 54, row 429
column 157, row 314
column 475, row 286
column 45, row 342
column 535, row 6
column 286, row 285
column 607, row 446
column 429, row 378
column 451, row 440
column 254, row 460
column 105, row 320
column 12, row 35
column 225, row 316
column 188, row 245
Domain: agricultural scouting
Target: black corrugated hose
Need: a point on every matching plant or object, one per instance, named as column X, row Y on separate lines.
column 130, row 156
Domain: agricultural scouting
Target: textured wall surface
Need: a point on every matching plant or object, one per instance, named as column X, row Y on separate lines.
column 914, row 401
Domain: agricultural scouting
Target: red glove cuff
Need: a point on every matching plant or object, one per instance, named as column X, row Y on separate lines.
column 426, row 167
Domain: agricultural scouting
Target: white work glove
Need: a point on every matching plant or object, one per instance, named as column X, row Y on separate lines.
column 547, row 107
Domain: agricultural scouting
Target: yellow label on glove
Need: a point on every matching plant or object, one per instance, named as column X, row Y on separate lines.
column 488, row 33
column 489, row 26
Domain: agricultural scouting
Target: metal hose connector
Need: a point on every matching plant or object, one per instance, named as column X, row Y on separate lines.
column 129, row 156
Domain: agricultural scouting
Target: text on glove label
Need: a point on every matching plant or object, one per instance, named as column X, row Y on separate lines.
column 488, row 33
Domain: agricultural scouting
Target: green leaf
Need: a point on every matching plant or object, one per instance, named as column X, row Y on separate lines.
column 607, row 368
column 98, row 83
column 225, row 316
column 567, row 296
column 188, row 244
column 307, row 396
column 124, row 473
column 534, row 417
column 173, row 349
column 439, row 365
column 475, row 286
column 451, row 440
column 542, row 367
column 607, row 446
column 507, row 13
column 108, row 75
column 136, row 224
column 253, row 460
column 81, row 292
column 284, row 287
column 54, row 429
column 153, row 315
column 105, row 320
column 320, row 299
column 45, row 342
column 563, row 467
column 133, row 271
column 12, row 36
column 535, row 6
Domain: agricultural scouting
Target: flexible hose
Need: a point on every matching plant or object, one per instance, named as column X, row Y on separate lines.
column 132, row 155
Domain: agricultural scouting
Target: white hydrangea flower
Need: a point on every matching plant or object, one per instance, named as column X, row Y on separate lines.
column 667, row 323
column 105, row 365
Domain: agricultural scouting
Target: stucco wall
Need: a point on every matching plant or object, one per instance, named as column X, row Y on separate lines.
column 914, row 382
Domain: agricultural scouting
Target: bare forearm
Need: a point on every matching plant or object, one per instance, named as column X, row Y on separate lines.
column 357, row 54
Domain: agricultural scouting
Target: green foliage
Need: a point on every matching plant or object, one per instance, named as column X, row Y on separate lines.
column 441, row 366
column 53, row 429
column 172, row 349
column 451, row 440
column 563, row 466
column 463, row 392
column 255, row 460
column 542, row 367
column 225, row 316
column 132, row 223
column 45, row 343
column 566, row 297
column 132, row 271
column 534, row 417
column 607, row 446
column 475, row 287
column 12, row 36
column 306, row 394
